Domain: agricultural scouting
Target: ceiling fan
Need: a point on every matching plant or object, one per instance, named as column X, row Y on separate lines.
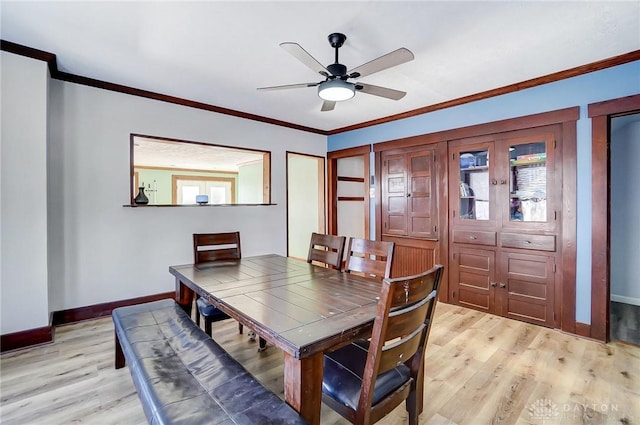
column 335, row 87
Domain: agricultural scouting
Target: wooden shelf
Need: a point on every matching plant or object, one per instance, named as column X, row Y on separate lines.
column 520, row 164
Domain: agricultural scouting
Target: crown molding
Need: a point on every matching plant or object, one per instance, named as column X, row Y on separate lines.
column 55, row 73
column 50, row 58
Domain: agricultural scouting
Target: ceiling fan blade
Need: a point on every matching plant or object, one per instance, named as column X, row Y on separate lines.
column 380, row 91
column 328, row 105
column 289, row 86
column 394, row 58
column 303, row 56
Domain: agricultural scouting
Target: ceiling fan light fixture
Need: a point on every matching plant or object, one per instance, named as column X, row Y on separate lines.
column 336, row 90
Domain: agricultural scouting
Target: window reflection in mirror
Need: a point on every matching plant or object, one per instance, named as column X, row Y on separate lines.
column 178, row 172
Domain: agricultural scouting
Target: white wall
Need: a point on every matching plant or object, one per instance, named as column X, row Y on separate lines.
column 23, row 194
column 108, row 252
column 100, row 251
column 625, row 196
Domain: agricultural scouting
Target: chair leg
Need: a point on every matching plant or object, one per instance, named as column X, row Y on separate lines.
column 197, row 314
column 412, row 408
column 207, row 326
column 263, row 345
column 240, row 328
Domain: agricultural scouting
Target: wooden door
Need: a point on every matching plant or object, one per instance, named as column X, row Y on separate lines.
column 473, row 278
column 526, row 287
column 421, row 202
column 409, row 190
column 394, row 193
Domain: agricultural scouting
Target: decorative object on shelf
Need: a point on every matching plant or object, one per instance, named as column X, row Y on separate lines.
column 141, row 199
column 467, row 160
column 202, row 199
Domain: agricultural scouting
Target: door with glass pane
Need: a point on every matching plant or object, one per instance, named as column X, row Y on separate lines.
column 526, row 182
column 472, row 185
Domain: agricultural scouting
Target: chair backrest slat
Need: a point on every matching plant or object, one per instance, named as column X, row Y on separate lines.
column 398, row 352
column 371, row 258
column 400, row 331
column 398, row 325
column 326, row 249
column 216, row 247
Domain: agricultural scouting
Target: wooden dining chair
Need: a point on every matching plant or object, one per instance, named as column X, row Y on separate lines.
column 208, row 247
column 326, row 249
column 367, row 379
column 372, row 259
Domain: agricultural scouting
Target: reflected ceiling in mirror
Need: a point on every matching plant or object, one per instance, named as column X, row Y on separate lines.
column 174, row 154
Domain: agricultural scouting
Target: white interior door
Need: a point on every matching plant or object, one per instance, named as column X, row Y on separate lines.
column 305, row 202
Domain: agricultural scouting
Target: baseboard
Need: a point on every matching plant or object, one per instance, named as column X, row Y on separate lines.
column 29, row 337
column 100, row 310
column 626, row 300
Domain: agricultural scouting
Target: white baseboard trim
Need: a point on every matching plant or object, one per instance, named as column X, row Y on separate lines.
column 626, row 300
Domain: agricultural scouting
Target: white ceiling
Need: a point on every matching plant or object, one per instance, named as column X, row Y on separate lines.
column 219, row 52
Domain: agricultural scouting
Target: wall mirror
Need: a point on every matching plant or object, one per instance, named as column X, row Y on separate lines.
column 179, row 172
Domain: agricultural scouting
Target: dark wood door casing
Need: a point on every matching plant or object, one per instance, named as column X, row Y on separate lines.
column 332, row 179
column 600, row 114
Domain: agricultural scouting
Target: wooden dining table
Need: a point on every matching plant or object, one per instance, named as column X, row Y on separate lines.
column 302, row 309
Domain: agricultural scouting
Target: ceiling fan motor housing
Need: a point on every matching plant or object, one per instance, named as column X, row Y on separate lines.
column 338, row 70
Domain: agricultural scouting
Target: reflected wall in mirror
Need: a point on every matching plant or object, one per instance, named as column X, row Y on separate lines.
column 175, row 172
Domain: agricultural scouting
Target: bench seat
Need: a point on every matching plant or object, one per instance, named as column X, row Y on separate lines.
column 184, row 377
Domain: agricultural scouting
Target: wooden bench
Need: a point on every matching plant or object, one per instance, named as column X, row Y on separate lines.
column 184, row 376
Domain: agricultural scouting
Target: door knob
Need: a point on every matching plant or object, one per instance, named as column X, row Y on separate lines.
column 503, row 285
column 493, row 284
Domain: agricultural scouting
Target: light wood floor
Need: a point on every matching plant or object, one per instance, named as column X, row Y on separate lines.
column 481, row 369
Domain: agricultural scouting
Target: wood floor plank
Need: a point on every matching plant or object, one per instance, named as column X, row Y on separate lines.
column 480, row 369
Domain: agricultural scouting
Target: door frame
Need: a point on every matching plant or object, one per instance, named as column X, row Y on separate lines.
column 332, row 179
column 601, row 114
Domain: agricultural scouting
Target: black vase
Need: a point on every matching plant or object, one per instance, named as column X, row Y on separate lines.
column 141, row 199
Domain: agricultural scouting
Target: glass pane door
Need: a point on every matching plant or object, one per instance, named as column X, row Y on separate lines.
column 474, row 185
column 528, row 182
